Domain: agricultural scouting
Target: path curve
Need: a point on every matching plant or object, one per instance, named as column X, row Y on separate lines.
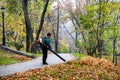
column 35, row 63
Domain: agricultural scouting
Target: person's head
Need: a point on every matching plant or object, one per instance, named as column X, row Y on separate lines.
column 49, row 35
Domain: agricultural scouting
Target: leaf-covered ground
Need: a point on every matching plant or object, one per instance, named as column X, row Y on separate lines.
column 87, row 68
column 20, row 57
column 9, row 58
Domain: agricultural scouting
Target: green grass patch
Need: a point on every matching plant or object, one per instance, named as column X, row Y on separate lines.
column 109, row 57
column 5, row 59
column 35, row 54
column 79, row 55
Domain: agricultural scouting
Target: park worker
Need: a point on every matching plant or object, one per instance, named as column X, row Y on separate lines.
column 46, row 41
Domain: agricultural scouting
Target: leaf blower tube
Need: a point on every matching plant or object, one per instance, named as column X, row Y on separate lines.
column 39, row 42
column 52, row 51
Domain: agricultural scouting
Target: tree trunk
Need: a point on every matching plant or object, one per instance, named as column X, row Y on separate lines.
column 28, row 24
column 33, row 48
column 56, row 41
column 114, row 47
column 98, row 33
column 76, row 34
column 83, row 36
column 115, row 40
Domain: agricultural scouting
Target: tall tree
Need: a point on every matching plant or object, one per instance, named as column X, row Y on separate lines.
column 99, row 28
column 28, row 25
column 56, row 38
column 33, row 48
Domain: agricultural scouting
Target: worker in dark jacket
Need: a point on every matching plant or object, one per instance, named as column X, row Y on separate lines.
column 46, row 42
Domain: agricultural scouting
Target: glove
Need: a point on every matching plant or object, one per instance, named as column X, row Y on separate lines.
column 39, row 40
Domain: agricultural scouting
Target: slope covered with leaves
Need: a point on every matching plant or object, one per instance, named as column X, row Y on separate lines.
column 10, row 58
column 87, row 68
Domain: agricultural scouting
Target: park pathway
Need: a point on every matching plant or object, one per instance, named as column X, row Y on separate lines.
column 35, row 63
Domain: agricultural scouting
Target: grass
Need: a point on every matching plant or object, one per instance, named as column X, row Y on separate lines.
column 109, row 57
column 79, row 55
column 35, row 54
column 5, row 59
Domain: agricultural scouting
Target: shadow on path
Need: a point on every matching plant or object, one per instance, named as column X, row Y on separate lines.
column 35, row 63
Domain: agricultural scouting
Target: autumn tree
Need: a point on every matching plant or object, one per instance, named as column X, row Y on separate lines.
column 33, row 49
column 28, row 25
column 13, row 23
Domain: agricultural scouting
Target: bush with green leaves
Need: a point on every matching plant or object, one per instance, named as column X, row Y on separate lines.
column 64, row 48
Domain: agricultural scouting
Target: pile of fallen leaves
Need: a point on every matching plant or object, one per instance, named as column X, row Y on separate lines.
column 87, row 68
column 19, row 57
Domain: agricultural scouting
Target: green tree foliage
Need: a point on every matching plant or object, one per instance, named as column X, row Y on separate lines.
column 14, row 20
column 63, row 47
column 92, row 25
column 14, row 7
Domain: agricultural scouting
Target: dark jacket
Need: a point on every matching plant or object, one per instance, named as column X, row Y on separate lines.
column 46, row 41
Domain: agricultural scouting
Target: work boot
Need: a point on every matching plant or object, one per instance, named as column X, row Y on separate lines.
column 45, row 63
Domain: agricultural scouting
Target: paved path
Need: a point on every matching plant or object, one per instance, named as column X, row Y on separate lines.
column 36, row 63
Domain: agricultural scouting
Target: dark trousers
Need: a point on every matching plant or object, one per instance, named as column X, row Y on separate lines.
column 44, row 51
